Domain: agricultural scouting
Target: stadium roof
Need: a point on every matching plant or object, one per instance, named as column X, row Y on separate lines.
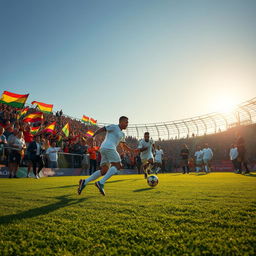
column 243, row 114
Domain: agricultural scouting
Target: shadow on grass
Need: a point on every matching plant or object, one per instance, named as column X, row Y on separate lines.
column 252, row 175
column 142, row 189
column 64, row 201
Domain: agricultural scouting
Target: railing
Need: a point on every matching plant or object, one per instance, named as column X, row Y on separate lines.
column 65, row 160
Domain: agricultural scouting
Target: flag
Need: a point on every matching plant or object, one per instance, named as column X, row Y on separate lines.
column 89, row 133
column 22, row 112
column 92, row 121
column 46, row 108
column 34, row 117
column 50, row 128
column 34, row 130
column 65, row 130
column 85, row 119
column 13, row 99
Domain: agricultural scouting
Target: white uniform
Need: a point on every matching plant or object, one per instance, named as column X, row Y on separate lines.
column 199, row 156
column 108, row 148
column 159, row 155
column 233, row 153
column 146, row 154
column 207, row 155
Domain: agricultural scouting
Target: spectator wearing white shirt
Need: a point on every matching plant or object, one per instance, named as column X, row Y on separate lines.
column 233, row 154
column 52, row 153
column 199, row 158
column 207, row 157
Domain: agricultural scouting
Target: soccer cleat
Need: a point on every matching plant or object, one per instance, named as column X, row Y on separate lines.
column 80, row 187
column 100, row 187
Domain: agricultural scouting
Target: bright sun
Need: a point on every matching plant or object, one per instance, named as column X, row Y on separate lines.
column 225, row 104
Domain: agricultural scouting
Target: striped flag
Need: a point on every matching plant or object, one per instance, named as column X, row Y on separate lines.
column 65, row 129
column 34, row 117
column 89, row 133
column 13, row 99
column 50, row 128
column 85, row 119
column 22, row 112
column 34, row 130
column 93, row 122
column 46, row 108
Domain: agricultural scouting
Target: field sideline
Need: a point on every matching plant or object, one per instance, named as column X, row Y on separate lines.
column 184, row 215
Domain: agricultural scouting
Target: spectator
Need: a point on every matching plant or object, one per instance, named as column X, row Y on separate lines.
column 17, row 144
column 35, row 151
column 93, row 157
column 52, row 153
column 3, row 143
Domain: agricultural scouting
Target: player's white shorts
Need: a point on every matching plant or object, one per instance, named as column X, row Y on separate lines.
column 145, row 159
column 158, row 160
column 109, row 156
column 206, row 160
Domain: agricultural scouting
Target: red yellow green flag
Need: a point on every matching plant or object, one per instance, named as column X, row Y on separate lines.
column 46, row 108
column 34, row 130
column 22, row 112
column 50, row 128
column 85, row 119
column 34, row 117
column 89, row 133
column 92, row 121
column 13, row 99
column 65, row 129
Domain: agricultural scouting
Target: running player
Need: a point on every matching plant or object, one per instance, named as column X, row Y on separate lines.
column 146, row 147
column 199, row 158
column 159, row 154
column 109, row 154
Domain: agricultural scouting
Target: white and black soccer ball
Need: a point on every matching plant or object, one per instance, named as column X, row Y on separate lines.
column 152, row 180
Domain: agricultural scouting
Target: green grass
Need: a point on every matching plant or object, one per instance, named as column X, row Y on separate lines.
column 184, row 215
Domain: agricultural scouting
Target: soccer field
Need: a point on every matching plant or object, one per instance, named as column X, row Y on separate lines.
column 184, row 215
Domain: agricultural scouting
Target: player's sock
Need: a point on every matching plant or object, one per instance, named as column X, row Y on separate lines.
column 112, row 171
column 94, row 176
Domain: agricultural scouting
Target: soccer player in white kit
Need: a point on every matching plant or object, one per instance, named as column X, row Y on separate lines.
column 158, row 158
column 207, row 157
column 146, row 147
column 109, row 154
column 199, row 159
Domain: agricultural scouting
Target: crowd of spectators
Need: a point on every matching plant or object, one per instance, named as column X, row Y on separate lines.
column 16, row 134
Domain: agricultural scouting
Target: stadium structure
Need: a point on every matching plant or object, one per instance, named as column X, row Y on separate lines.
column 243, row 114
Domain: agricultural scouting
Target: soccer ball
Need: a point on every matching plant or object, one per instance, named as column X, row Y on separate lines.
column 152, row 180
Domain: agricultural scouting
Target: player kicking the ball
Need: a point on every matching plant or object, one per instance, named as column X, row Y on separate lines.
column 146, row 147
column 109, row 154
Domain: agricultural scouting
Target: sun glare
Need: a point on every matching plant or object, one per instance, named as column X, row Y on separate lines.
column 225, row 104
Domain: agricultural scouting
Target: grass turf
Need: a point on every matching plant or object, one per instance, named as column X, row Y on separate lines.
column 184, row 215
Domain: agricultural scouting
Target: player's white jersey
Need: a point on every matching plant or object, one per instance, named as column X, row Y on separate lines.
column 147, row 154
column 159, row 155
column 208, row 154
column 199, row 155
column 113, row 137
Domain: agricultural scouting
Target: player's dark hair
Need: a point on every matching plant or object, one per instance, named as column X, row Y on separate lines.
column 146, row 133
column 123, row 118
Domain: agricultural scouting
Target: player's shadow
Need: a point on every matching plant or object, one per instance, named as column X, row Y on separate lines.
column 63, row 201
column 142, row 189
column 252, row 175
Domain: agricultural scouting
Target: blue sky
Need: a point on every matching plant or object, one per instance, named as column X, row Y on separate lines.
column 153, row 61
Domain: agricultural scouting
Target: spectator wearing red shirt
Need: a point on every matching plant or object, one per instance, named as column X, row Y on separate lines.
column 93, row 157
